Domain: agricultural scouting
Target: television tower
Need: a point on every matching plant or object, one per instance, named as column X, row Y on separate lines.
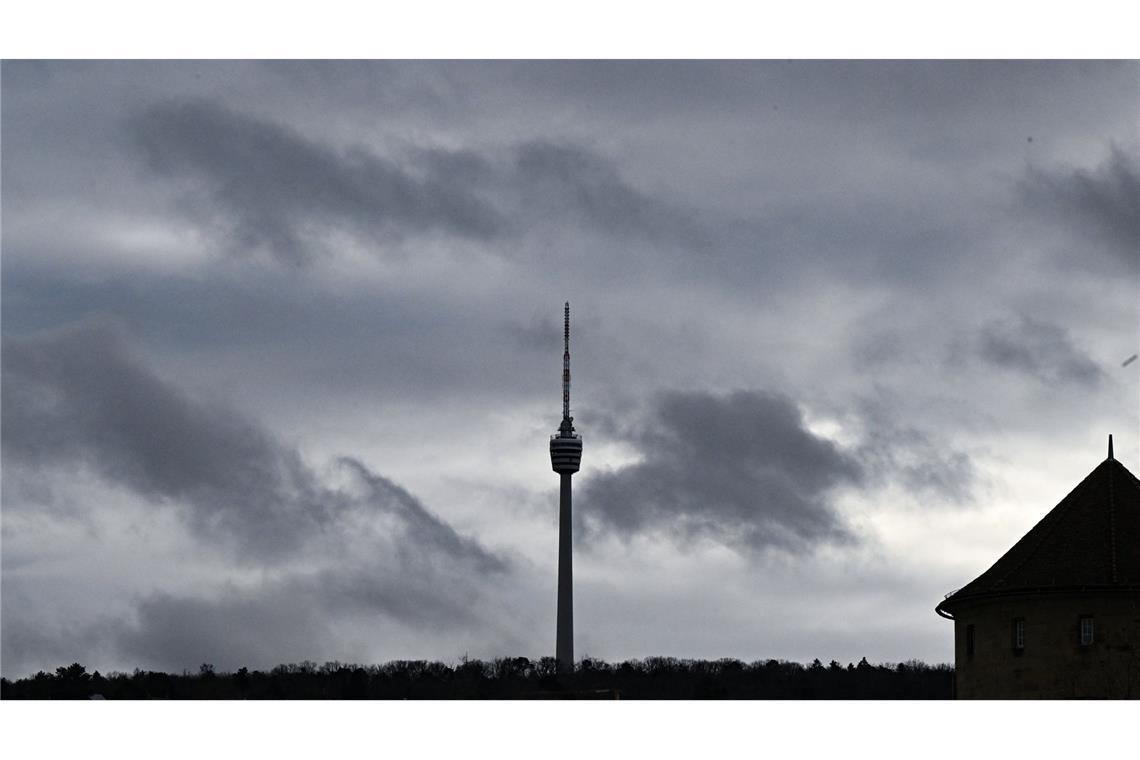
column 565, row 457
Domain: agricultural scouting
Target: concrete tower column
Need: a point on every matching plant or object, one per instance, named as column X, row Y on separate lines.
column 564, row 649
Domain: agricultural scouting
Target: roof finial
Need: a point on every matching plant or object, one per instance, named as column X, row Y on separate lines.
column 1110, row 445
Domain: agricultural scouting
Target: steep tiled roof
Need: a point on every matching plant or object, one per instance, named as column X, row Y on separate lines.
column 1089, row 540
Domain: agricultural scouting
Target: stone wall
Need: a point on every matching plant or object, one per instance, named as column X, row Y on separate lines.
column 1053, row 663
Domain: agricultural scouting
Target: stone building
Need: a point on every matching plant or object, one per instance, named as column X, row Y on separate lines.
column 1058, row 615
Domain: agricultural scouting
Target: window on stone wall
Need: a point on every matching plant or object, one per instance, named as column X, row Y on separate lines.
column 1086, row 630
column 1019, row 634
column 970, row 640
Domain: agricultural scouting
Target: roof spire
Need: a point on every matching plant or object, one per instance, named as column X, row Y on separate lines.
column 1110, row 445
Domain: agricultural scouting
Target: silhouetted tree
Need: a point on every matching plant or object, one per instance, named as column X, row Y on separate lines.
column 508, row 678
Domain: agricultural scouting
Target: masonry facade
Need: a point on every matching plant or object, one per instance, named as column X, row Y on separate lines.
column 1058, row 615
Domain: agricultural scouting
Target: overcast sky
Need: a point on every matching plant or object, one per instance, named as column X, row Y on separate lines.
column 281, row 351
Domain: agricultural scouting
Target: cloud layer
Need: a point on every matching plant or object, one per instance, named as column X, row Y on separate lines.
column 274, row 190
column 343, row 544
column 840, row 330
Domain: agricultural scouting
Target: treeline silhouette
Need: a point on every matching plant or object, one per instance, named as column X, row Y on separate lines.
column 506, row 678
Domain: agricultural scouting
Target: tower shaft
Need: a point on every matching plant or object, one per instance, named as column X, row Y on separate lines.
column 564, row 650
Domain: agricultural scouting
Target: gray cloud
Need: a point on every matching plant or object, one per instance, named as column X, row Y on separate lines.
column 77, row 395
column 927, row 465
column 272, row 188
column 422, row 529
column 229, row 630
column 282, row 190
column 559, row 177
column 538, row 334
column 356, row 543
column 740, row 469
column 27, row 643
column 1038, row 349
column 1101, row 204
column 292, row 618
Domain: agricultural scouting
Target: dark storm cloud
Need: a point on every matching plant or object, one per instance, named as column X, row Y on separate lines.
column 740, row 469
column 1102, row 204
column 273, row 182
column 78, row 396
column 278, row 190
column 1038, row 349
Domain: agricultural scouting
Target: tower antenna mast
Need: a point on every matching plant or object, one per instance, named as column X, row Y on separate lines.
column 566, row 363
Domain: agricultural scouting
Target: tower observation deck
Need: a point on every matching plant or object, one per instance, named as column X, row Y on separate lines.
column 565, row 458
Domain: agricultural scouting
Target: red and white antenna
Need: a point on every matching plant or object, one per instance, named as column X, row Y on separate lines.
column 566, row 365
